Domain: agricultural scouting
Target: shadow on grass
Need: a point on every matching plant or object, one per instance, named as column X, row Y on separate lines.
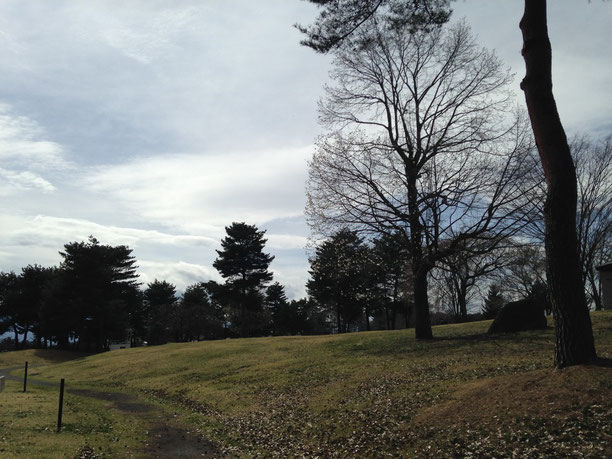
column 59, row 356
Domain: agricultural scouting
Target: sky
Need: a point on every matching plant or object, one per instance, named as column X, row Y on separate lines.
column 155, row 124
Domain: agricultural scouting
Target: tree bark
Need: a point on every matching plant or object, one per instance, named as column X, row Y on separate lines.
column 574, row 335
column 422, row 321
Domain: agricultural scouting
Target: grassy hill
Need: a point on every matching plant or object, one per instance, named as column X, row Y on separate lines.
column 368, row 394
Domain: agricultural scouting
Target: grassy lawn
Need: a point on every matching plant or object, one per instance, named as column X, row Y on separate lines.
column 368, row 394
column 28, row 424
column 37, row 356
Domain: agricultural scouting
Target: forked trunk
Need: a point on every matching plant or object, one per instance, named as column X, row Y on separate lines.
column 574, row 335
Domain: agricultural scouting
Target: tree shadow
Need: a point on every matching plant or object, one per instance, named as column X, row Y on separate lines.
column 604, row 362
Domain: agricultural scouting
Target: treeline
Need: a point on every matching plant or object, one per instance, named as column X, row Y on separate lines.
column 94, row 298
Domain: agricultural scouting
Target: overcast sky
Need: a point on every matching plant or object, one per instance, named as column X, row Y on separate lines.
column 155, row 124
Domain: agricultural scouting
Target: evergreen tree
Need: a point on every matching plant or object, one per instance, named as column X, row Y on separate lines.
column 493, row 302
column 282, row 315
column 202, row 315
column 101, row 289
column 339, row 277
column 160, row 301
column 391, row 253
column 244, row 266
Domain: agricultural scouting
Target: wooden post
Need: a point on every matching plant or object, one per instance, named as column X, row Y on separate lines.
column 25, row 377
column 61, row 404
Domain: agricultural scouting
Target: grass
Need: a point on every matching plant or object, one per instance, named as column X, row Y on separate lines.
column 29, row 420
column 37, row 356
column 371, row 394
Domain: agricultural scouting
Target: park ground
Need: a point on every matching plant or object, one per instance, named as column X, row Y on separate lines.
column 371, row 394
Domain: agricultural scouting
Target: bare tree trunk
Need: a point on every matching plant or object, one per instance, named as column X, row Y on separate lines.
column 16, row 337
column 595, row 289
column 25, row 336
column 387, row 317
column 574, row 335
column 422, row 321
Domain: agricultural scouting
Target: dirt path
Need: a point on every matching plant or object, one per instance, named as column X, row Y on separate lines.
column 166, row 437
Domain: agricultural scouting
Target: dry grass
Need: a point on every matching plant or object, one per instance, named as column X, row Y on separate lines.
column 28, row 423
column 372, row 394
column 37, row 356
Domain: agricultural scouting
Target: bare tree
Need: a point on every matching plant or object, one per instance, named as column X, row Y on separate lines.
column 423, row 141
column 524, row 270
column 594, row 216
column 573, row 330
column 460, row 274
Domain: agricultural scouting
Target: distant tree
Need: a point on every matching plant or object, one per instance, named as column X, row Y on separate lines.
column 22, row 302
column 9, row 305
column 160, row 300
column 202, row 315
column 310, row 318
column 33, row 283
column 493, row 302
column 101, row 289
column 459, row 274
column 59, row 320
column 594, row 216
column 338, row 277
column 244, row 266
column 391, row 252
column 524, row 271
column 282, row 315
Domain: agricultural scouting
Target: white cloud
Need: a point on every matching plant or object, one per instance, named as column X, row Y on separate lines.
column 180, row 274
column 285, row 241
column 151, row 37
column 14, row 182
column 22, row 143
column 187, row 191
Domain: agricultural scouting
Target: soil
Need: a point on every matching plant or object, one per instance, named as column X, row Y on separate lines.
column 166, row 438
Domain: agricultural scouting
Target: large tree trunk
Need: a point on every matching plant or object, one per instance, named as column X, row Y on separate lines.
column 574, row 335
column 422, row 321
column 422, row 325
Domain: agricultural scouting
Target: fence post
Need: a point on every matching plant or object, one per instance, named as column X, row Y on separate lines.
column 25, row 377
column 61, row 404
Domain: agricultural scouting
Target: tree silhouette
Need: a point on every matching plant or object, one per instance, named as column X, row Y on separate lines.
column 244, row 266
column 101, row 289
column 574, row 342
column 160, row 300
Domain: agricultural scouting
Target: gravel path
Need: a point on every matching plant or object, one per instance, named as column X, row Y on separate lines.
column 165, row 437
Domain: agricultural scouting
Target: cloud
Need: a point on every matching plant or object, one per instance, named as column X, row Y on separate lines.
column 190, row 190
column 12, row 182
column 285, row 241
column 180, row 274
column 152, row 37
column 22, row 142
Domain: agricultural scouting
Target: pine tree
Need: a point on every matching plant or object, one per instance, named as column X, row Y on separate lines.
column 244, row 266
column 493, row 302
